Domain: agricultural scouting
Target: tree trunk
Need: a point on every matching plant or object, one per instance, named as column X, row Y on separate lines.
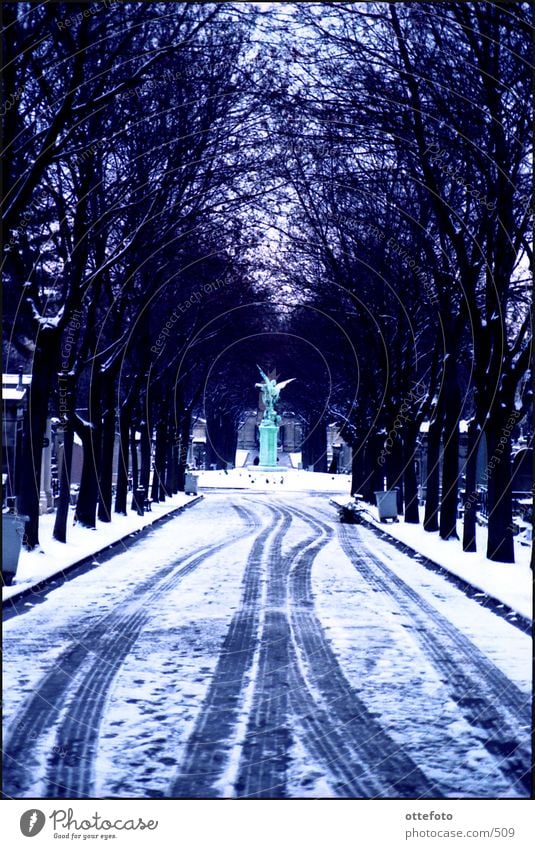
column 231, row 444
column 158, row 489
column 43, row 369
column 410, row 436
column 170, row 457
column 122, row 462
column 64, row 500
column 433, row 473
column 222, row 438
column 210, row 457
column 394, row 470
column 135, row 468
column 470, row 495
column 320, row 447
column 91, row 436
column 106, row 457
column 86, row 505
column 376, row 474
column 450, row 484
column 185, row 427
column 164, row 436
column 144, row 474
column 366, row 473
column 170, row 476
column 450, row 456
column 176, row 470
column 356, row 470
column 315, row 448
column 368, row 459
column 306, row 453
column 500, row 546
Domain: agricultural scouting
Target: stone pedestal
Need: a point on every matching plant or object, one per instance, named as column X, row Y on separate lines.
column 268, row 445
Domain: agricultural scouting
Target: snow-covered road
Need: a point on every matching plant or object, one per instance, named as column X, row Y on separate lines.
column 254, row 647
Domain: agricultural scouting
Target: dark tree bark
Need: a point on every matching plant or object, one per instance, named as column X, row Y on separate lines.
column 500, row 546
column 410, row 437
column 144, row 447
column 470, row 494
column 158, row 481
column 86, row 505
column 365, row 484
column 377, row 472
column 356, row 471
column 170, row 464
column 394, row 470
column 91, row 436
column 450, row 455
column 106, row 453
column 122, row 462
column 432, row 483
column 222, row 437
column 43, row 370
column 64, row 500
column 366, row 472
column 185, row 427
column 135, row 469
column 315, row 448
column 450, row 484
column 67, row 413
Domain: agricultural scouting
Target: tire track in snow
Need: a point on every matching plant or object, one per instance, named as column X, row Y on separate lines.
column 102, row 649
column 342, row 733
column 207, row 750
column 486, row 602
column 486, row 697
column 79, row 731
column 265, row 754
column 290, row 679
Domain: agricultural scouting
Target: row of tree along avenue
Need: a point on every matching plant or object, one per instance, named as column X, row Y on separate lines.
column 343, row 187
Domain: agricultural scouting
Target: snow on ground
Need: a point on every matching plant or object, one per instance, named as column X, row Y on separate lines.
column 507, row 647
column 386, row 666
column 160, row 689
column 157, row 695
column 94, row 594
column 306, row 778
column 285, row 480
column 23, row 668
column 511, row 583
column 53, row 556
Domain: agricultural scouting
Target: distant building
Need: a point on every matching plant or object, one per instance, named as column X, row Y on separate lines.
column 248, row 431
column 14, row 402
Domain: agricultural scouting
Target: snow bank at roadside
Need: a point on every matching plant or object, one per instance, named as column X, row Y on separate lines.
column 511, row 583
column 53, row 556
